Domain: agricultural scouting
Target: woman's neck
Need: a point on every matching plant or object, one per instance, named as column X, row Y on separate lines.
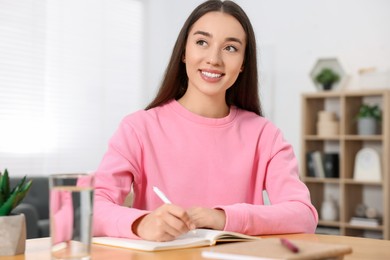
column 206, row 106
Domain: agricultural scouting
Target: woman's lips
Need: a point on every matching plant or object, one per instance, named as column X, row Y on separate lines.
column 211, row 76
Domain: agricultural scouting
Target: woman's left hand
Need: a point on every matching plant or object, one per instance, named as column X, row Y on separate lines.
column 207, row 218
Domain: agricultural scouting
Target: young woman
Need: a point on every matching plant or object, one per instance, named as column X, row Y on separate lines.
column 204, row 143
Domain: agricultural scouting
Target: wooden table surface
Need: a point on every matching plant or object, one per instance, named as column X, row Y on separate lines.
column 363, row 248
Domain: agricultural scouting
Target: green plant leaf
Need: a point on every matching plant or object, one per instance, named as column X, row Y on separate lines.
column 10, row 199
column 369, row 111
column 2, row 197
column 6, row 208
column 4, row 184
column 327, row 77
column 21, row 193
column 20, row 183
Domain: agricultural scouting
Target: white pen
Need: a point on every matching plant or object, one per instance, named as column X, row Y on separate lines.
column 161, row 195
column 164, row 198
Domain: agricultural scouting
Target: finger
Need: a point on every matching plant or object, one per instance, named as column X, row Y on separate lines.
column 174, row 226
column 182, row 215
column 158, row 226
column 171, row 220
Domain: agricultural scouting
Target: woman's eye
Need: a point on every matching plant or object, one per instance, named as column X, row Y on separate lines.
column 231, row 48
column 201, row 42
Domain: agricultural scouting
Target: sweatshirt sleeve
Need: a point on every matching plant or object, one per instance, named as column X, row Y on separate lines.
column 113, row 180
column 290, row 211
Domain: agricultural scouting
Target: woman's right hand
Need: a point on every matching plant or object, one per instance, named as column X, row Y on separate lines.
column 164, row 224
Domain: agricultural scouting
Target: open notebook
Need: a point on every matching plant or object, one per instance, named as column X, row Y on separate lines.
column 194, row 238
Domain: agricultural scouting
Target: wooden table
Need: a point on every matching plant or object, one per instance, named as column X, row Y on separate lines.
column 363, row 248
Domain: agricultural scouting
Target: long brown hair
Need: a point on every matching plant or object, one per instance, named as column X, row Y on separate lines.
column 244, row 92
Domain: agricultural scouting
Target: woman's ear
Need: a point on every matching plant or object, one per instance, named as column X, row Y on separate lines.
column 183, row 58
column 242, row 68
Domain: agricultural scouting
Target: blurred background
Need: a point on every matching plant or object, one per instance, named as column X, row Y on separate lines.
column 71, row 70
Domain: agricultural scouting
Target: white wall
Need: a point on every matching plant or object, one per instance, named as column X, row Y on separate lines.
column 291, row 36
column 69, row 72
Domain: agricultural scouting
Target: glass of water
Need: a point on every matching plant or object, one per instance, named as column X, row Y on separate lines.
column 71, row 209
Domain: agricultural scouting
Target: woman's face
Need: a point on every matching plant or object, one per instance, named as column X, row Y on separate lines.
column 214, row 54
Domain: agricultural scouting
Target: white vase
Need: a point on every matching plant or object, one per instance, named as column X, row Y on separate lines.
column 12, row 235
column 367, row 126
column 329, row 210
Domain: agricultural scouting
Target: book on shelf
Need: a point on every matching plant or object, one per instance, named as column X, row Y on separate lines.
column 311, row 172
column 373, row 234
column 331, row 165
column 319, row 171
column 367, row 222
column 322, row 165
column 194, row 238
column 328, row 230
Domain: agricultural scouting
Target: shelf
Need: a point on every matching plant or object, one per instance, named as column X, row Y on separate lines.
column 344, row 137
column 329, row 223
column 378, row 228
column 321, row 138
column 353, row 182
column 364, row 137
column 349, row 193
column 340, row 180
column 321, row 180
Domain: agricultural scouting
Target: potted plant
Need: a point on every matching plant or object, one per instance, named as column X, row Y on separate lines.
column 327, row 77
column 13, row 227
column 368, row 119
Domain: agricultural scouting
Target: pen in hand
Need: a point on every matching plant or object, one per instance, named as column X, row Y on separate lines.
column 164, row 198
column 161, row 195
column 289, row 245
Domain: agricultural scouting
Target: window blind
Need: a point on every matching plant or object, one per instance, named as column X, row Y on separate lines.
column 69, row 72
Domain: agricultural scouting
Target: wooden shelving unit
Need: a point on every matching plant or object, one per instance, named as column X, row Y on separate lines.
column 348, row 192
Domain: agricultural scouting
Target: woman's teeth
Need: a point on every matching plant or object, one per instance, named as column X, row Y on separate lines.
column 211, row 75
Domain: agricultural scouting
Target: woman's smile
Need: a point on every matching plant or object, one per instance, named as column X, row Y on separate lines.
column 211, row 76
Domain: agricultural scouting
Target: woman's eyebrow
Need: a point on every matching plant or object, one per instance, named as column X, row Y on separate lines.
column 203, row 33
column 228, row 39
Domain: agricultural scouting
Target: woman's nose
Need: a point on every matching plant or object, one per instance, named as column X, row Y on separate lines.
column 214, row 57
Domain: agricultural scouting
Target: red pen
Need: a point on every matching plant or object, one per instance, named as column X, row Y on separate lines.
column 289, row 245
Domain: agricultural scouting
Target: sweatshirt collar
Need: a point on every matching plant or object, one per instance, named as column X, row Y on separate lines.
column 182, row 111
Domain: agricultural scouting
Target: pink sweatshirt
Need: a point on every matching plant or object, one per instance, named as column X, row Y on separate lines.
column 196, row 161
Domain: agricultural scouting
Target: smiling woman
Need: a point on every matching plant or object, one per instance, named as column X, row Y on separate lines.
column 65, row 81
column 215, row 51
column 204, row 125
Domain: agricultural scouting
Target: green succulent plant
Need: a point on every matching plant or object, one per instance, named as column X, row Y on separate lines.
column 327, row 77
column 9, row 199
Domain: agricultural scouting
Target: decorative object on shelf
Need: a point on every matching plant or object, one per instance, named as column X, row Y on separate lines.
column 365, row 216
column 310, row 166
column 331, row 165
column 372, row 213
column 360, row 210
column 328, row 74
column 367, row 222
column 327, row 77
column 329, row 209
column 13, row 227
column 368, row 119
column 371, row 78
column 327, row 124
column 367, row 165
column 315, row 164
